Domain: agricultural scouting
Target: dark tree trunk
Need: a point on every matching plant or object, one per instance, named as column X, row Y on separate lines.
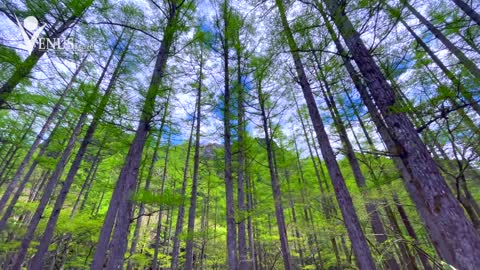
column 47, row 193
column 90, row 177
column 159, row 224
column 359, row 243
column 120, row 205
column 56, row 108
column 469, row 64
column 279, row 213
column 242, row 236
column 232, row 258
column 452, row 234
column 37, row 261
column 181, row 209
column 141, row 211
column 468, row 10
column 411, row 232
column 87, row 193
column 408, row 260
column 374, row 114
column 372, row 211
column 9, row 210
column 196, row 166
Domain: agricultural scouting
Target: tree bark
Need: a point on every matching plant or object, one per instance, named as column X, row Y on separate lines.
column 196, row 166
column 229, row 192
column 279, row 213
column 464, row 60
column 452, row 234
column 372, row 209
column 120, row 205
column 37, row 261
column 56, row 108
column 359, row 243
column 468, row 10
column 181, row 209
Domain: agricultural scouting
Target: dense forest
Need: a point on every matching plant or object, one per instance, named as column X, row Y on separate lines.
column 240, row 134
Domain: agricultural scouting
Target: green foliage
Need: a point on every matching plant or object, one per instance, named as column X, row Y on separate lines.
column 167, row 198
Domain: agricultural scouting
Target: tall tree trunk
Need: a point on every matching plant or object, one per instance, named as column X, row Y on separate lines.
column 279, row 213
column 12, row 157
column 296, row 232
column 229, row 192
column 37, row 261
column 120, row 205
column 9, row 209
column 181, row 209
column 50, row 187
column 96, row 209
column 136, row 234
column 391, row 216
column 453, row 235
column 372, row 209
column 468, row 10
column 196, row 166
column 411, row 232
column 7, row 159
column 325, row 204
column 408, row 259
column 464, row 60
column 251, row 242
column 242, row 236
column 56, row 108
column 456, row 83
column 90, row 176
column 374, row 114
column 359, row 243
column 159, row 224
column 328, row 206
column 326, row 211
